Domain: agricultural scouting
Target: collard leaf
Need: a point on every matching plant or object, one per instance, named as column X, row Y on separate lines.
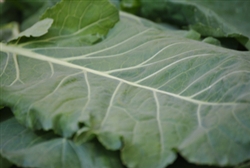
column 86, row 21
column 28, row 149
column 151, row 89
column 212, row 40
column 38, row 29
column 209, row 18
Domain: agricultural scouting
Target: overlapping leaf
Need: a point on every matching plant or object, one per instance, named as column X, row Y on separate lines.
column 84, row 22
column 44, row 149
column 143, row 90
column 38, row 29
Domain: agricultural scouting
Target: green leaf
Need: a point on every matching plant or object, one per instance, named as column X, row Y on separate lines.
column 211, row 40
column 38, row 29
column 111, row 140
column 193, row 35
column 43, row 149
column 151, row 90
column 86, row 21
column 210, row 18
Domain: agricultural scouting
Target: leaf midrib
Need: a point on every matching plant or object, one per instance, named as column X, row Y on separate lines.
column 27, row 53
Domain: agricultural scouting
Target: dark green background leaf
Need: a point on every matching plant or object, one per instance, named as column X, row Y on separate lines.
column 218, row 18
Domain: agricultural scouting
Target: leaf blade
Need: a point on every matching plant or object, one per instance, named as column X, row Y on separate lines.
column 24, row 147
column 186, row 86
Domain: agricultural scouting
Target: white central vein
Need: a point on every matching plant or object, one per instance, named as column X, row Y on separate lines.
column 33, row 55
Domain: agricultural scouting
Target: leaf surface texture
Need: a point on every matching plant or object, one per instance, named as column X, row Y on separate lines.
column 145, row 90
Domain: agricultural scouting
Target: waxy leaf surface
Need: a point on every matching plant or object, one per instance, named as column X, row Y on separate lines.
column 144, row 90
column 26, row 148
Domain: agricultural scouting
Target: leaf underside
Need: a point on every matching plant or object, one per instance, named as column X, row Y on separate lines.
column 151, row 90
column 44, row 149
